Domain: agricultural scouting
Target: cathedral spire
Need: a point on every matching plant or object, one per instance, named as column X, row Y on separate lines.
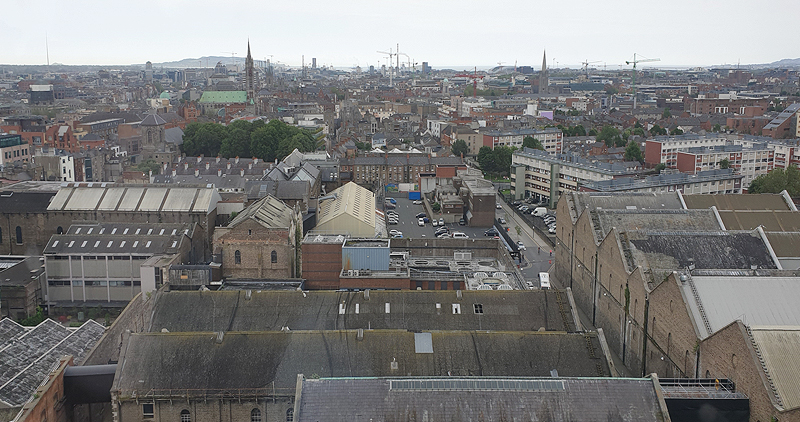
column 543, row 80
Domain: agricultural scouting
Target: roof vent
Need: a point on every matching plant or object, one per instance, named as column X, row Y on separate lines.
column 218, row 336
column 458, row 294
column 366, row 294
column 248, row 294
column 360, row 334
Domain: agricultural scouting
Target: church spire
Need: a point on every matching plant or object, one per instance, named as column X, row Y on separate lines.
column 543, row 80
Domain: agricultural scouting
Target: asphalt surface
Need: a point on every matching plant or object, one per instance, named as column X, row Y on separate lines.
column 409, row 225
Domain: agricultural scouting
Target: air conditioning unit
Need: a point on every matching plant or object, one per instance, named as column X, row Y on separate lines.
column 349, row 273
column 355, row 273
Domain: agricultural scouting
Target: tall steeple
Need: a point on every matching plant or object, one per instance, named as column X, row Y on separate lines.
column 543, row 81
column 250, row 79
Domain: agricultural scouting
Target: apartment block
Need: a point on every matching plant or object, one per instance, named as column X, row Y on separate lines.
column 749, row 162
column 551, row 138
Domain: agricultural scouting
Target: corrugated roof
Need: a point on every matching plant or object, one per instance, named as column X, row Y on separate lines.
column 268, row 211
column 753, row 300
column 351, row 200
column 769, row 219
column 764, row 201
column 224, row 97
column 785, row 244
column 779, row 349
column 135, row 199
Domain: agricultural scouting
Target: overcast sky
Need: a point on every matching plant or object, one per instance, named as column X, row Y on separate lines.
column 346, row 33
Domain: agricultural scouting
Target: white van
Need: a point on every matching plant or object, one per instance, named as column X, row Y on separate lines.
column 539, row 211
column 460, row 235
column 544, row 280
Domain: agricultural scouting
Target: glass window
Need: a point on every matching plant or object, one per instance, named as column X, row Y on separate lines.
column 19, row 235
column 186, row 416
column 237, row 257
column 255, row 415
column 290, row 415
column 274, row 257
column 148, row 410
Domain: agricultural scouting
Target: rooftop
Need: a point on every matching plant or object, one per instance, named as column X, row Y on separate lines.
column 611, row 169
column 268, row 211
column 661, row 180
column 134, row 199
column 738, row 202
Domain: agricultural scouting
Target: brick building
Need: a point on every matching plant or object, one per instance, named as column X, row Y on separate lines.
column 551, row 138
column 784, row 126
column 13, row 149
column 750, row 162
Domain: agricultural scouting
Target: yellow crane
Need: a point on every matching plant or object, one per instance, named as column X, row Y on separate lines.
column 633, row 79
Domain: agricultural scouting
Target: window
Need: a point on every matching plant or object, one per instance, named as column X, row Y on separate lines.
column 274, row 257
column 148, row 411
column 186, row 416
column 478, row 308
column 255, row 415
column 19, row 235
column 60, row 230
column 237, row 257
column 290, row 415
column 1, row 235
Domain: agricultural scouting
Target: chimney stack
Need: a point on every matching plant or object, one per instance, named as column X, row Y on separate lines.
column 174, row 172
column 219, row 172
column 186, row 166
column 237, row 159
column 229, row 165
column 208, row 165
column 196, row 172
column 241, row 172
column 200, row 158
column 255, row 161
column 217, row 159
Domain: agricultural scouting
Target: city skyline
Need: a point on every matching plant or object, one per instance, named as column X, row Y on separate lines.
column 445, row 34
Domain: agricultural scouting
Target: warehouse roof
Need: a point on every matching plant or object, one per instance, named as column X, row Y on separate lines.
column 443, row 399
column 779, row 347
column 207, row 362
column 737, row 202
column 769, row 219
column 224, row 97
column 268, row 211
column 350, row 199
column 135, row 199
column 654, row 220
column 380, row 309
column 625, row 201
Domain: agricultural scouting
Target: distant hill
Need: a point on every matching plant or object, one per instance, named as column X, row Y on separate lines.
column 205, row 61
column 785, row 63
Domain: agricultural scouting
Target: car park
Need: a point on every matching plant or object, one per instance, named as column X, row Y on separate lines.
column 520, row 245
column 460, row 235
column 441, row 221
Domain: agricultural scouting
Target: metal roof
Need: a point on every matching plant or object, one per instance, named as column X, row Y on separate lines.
column 763, row 201
column 753, row 300
column 779, row 347
column 135, row 199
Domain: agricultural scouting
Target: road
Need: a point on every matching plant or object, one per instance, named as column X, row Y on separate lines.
column 537, row 256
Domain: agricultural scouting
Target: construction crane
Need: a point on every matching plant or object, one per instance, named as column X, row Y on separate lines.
column 633, row 79
column 390, row 54
column 233, row 59
column 586, row 64
column 474, row 76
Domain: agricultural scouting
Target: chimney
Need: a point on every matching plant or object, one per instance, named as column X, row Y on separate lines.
column 219, row 172
column 255, row 161
column 196, row 172
column 200, row 158
column 208, row 165
column 186, row 166
column 241, row 172
column 217, row 159
column 237, row 159
column 165, row 167
column 229, row 165
column 250, row 166
column 174, row 172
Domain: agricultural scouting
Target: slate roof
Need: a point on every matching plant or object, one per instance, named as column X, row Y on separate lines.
column 478, row 399
column 19, row 271
column 153, row 120
column 268, row 211
column 410, row 310
column 27, row 360
column 25, row 202
column 694, row 220
column 737, row 202
column 281, row 189
column 622, row 201
column 9, row 330
column 753, row 300
column 196, row 361
column 704, row 250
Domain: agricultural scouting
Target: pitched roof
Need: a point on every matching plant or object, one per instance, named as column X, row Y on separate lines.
column 737, row 202
column 779, row 349
column 268, row 211
column 479, row 398
column 350, row 199
column 253, row 360
column 224, row 97
column 153, row 120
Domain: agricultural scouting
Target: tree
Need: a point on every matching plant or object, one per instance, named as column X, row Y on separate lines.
column 436, row 207
column 666, row 114
column 486, row 159
column 592, row 132
column 609, row 134
column 716, row 128
column 724, row 163
column 531, row 142
column 676, row 131
column 502, row 160
column 633, row 152
column 776, row 181
column 657, row 130
column 459, row 147
column 146, row 166
column 660, row 166
column 203, row 138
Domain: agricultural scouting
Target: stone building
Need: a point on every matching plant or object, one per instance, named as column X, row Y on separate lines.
column 260, row 241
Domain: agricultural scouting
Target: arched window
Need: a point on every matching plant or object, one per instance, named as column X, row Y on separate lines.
column 237, row 257
column 60, row 230
column 19, row 235
column 274, row 257
column 255, row 415
column 186, row 416
column 290, row 415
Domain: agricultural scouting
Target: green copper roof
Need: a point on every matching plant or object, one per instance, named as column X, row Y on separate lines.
column 224, row 97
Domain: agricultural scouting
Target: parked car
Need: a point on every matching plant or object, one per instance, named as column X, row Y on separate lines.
column 441, row 221
column 417, row 202
column 498, row 206
column 502, row 220
column 521, row 245
column 440, row 231
column 462, row 222
column 420, row 221
column 393, row 221
column 393, row 201
column 515, row 203
column 552, row 230
column 397, row 236
column 390, row 206
column 421, row 215
column 460, row 235
column 394, row 232
column 425, row 219
column 434, row 222
column 540, row 211
column 491, row 232
column 444, row 236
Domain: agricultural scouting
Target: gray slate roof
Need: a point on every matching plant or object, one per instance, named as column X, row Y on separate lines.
column 478, row 399
column 409, row 310
column 196, row 361
column 268, row 211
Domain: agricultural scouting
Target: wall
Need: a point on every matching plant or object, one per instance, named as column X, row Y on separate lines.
column 322, row 263
column 674, row 334
column 209, row 410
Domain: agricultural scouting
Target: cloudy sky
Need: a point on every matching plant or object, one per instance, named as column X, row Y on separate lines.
column 346, row 33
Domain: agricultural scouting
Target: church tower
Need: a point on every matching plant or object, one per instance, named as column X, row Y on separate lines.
column 250, row 79
column 543, row 81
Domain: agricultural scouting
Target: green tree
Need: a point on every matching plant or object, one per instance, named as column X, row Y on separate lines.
column 146, row 166
column 531, row 142
column 35, row 319
column 776, row 181
column 502, row 160
column 676, row 131
column 724, row 163
column 592, row 132
column 237, row 142
column 609, row 135
column 486, row 159
column 633, row 152
column 459, row 147
column 716, row 128
column 660, row 166
column 657, row 130
column 436, row 207
column 579, row 130
column 638, row 131
column 666, row 114
column 203, row 138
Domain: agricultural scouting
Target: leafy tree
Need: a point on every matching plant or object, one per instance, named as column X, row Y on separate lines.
column 148, row 165
column 716, row 128
column 579, row 130
column 531, row 142
column 676, row 131
column 657, row 130
column 638, row 125
column 724, row 163
column 237, row 143
column 436, row 207
column 666, row 114
column 660, row 166
column 362, row 145
column 486, row 159
column 633, row 152
column 776, row 181
column 609, row 134
column 502, row 160
column 592, row 132
column 35, row 319
column 459, row 147
column 611, row 90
